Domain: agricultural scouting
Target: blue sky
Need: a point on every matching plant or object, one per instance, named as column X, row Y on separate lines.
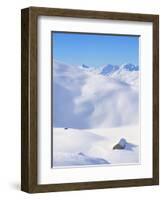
column 95, row 49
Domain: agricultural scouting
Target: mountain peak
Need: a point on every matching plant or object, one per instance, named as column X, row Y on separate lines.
column 131, row 67
column 85, row 66
column 107, row 69
column 110, row 69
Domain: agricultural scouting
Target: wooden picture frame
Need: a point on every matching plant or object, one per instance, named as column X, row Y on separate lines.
column 29, row 110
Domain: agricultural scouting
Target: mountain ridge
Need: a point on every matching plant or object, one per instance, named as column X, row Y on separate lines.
column 87, row 99
column 127, row 73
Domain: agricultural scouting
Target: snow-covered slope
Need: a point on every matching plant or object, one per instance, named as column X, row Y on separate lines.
column 94, row 109
column 90, row 99
column 72, row 147
column 127, row 73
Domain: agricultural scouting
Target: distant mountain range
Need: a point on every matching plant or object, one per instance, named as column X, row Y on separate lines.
column 128, row 73
column 112, row 68
column 88, row 97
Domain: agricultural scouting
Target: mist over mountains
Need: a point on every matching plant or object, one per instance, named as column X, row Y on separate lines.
column 87, row 97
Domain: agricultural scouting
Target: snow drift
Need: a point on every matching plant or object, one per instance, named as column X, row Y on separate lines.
column 79, row 147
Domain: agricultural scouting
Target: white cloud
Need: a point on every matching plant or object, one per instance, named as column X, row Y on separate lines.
column 85, row 99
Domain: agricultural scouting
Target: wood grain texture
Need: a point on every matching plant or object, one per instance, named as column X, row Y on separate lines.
column 156, row 100
column 91, row 14
column 29, row 101
column 24, row 101
column 29, row 87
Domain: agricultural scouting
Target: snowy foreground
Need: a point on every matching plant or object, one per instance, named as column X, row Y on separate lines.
column 84, row 147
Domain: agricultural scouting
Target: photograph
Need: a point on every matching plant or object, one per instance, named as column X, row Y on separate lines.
column 95, row 99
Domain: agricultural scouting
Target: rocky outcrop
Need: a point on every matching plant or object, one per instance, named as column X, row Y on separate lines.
column 121, row 144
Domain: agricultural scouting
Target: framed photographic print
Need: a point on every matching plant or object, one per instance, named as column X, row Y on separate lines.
column 90, row 99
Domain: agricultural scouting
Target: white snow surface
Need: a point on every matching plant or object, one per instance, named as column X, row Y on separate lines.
column 77, row 147
column 127, row 73
column 86, row 98
column 94, row 109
